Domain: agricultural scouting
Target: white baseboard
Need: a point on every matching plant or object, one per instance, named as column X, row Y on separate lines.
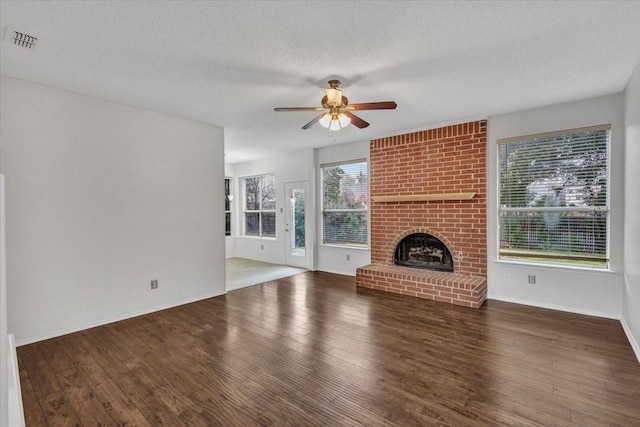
column 632, row 341
column 631, row 338
column 614, row 316
column 112, row 320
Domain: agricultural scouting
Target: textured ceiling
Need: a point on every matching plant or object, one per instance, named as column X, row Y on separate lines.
column 230, row 63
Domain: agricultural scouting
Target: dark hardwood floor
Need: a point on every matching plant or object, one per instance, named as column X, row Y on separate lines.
column 312, row 350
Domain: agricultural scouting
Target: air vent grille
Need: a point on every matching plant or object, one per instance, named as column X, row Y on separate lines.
column 24, row 40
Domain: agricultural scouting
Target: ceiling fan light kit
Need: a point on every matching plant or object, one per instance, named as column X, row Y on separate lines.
column 325, row 120
column 334, row 121
column 344, row 120
column 337, row 112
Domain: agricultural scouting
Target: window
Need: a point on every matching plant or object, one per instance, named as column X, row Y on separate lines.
column 554, row 197
column 345, row 188
column 227, row 206
column 260, row 206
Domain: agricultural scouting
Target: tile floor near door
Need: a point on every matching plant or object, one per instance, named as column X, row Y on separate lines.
column 243, row 272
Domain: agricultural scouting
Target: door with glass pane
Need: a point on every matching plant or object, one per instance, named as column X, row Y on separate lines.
column 296, row 225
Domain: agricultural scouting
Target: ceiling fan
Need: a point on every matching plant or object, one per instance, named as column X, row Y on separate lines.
column 336, row 110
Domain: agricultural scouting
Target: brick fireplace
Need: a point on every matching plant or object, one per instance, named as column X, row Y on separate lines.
column 430, row 183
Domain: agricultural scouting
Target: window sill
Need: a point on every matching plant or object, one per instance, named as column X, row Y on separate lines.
column 563, row 268
column 257, row 238
column 333, row 245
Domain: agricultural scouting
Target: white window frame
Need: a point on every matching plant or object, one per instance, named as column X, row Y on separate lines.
column 324, row 210
column 261, row 209
column 573, row 259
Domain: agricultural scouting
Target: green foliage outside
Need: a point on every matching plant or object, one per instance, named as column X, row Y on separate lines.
column 345, row 205
column 548, row 174
column 299, row 219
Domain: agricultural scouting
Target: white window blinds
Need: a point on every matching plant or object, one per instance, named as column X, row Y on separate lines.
column 345, row 190
column 554, row 197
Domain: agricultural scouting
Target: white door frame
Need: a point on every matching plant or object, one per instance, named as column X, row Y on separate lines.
column 293, row 257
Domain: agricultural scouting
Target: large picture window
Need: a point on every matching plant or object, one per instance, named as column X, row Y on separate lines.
column 554, row 197
column 345, row 188
column 260, row 206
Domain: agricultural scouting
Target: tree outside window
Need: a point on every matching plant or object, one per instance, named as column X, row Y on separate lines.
column 260, row 206
column 345, row 190
column 554, row 197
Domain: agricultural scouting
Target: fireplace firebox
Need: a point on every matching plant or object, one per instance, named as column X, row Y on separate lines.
column 421, row 250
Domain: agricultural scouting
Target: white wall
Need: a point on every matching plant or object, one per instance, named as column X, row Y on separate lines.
column 631, row 306
column 4, row 374
column 574, row 290
column 101, row 199
column 333, row 258
column 291, row 168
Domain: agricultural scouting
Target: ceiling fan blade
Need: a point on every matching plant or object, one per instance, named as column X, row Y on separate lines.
column 355, row 120
column 386, row 105
column 300, row 109
column 313, row 122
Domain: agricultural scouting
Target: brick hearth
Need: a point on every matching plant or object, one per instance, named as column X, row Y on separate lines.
column 422, row 165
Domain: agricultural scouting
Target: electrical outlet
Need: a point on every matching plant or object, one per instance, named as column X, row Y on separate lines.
column 532, row 279
column 154, row 284
column 262, row 247
column 348, row 257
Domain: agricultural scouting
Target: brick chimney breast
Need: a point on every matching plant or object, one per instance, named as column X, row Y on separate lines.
column 431, row 182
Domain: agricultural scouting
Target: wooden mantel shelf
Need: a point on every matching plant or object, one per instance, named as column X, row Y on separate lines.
column 423, row 197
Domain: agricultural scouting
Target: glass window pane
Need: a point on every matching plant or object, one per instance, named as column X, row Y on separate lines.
column 252, row 224
column 298, row 214
column 570, row 237
column 572, row 168
column 227, row 220
column 345, row 228
column 252, row 193
column 345, row 186
column 268, row 192
column 554, row 204
column 268, row 224
column 260, row 196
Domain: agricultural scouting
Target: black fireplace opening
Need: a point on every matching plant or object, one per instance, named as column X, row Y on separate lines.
column 423, row 251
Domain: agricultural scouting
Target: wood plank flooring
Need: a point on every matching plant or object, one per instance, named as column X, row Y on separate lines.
column 314, row 350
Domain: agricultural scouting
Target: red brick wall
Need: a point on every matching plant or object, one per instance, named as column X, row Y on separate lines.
column 446, row 160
